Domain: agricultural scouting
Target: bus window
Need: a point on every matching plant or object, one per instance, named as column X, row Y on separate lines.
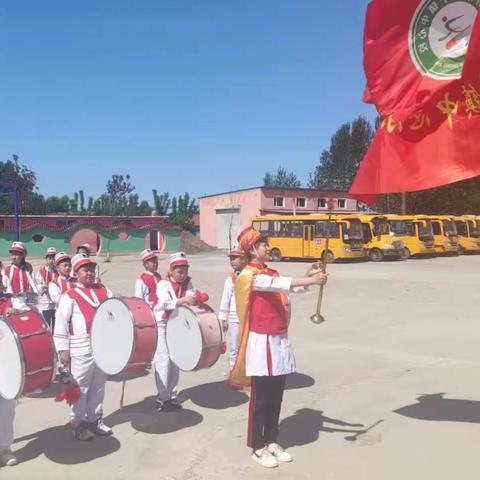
column 354, row 233
column 436, row 228
column 288, row 229
column 380, row 227
column 449, row 228
column 403, row 228
column 367, row 232
column 425, row 232
column 326, row 229
column 474, row 233
column 462, row 228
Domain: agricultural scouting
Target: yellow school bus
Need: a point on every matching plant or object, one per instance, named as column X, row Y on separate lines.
column 468, row 233
column 304, row 236
column 445, row 234
column 379, row 241
column 416, row 233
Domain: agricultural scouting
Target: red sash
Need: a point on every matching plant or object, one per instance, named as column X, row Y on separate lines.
column 151, row 281
column 180, row 290
column 88, row 309
column 17, row 277
column 64, row 283
column 47, row 275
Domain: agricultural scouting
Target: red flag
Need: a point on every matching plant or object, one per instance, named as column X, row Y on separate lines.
column 413, row 49
column 430, row 137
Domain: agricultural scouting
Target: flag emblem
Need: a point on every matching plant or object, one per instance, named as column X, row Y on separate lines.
column 439, row 36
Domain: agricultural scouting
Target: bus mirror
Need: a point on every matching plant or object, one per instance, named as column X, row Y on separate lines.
column 348, row 224
column 424, row 223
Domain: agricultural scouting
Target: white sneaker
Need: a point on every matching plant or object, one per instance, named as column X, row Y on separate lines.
column 8, row 459
column 279, row 453
column 101, row 429
column 264, row 458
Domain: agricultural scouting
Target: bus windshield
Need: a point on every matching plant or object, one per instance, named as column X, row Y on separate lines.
column 473, row 227
column 449, row 228
column 402, row 228
column 354, row 233
column 381, row 227
column 425, row 230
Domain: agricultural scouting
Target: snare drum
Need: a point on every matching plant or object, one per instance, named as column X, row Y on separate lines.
column 124, row 335
column 194, row 337
column 27, row 355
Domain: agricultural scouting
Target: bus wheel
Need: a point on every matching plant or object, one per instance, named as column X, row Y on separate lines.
column 405, row 253
column 376, row 255
column 275, row 255
column 328, row 257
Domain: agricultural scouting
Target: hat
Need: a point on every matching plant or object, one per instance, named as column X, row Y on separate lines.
column 248, row 238
column 178, row 259
column 61, row 257
column 147, row 254
column 86, row 246
column 51, row 252
column 80, row 260
column 18, row 247
column 236, row 252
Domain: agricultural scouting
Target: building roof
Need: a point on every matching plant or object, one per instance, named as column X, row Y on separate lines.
column 300, row 189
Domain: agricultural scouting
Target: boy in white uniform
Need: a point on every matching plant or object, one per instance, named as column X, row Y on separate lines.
column 146, row 285
column 46, row 274
column 228, row 309
column 175, row 290
column 72, row 338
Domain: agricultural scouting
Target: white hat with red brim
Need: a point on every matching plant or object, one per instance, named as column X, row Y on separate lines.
column 80, row 260
column 86, row 246
column 178, row 259
column 147, row 254
column 61, row 257
column 18, row 247
column 51, row 252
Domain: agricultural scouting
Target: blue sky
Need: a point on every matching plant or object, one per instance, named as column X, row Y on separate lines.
column 198, row 96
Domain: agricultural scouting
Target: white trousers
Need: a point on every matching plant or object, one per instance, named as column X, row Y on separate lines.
column 166, row 372
column 7, row 414
column 91, row 381
column 234, row 333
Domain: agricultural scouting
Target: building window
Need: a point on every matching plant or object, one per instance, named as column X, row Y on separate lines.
column 301, row 202
column 341, row 203
column 278, row 201
column 322, row 203
column 38, row 238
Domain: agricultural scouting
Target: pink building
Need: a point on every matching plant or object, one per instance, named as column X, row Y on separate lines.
column 224, row 215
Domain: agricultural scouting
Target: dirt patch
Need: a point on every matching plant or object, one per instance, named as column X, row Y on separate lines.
column 191, row 244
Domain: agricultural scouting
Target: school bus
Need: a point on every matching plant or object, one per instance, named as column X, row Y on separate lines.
column 379, row 241
column 445, row 234
column 416, row 233
column 304, row 236
column 468, row 233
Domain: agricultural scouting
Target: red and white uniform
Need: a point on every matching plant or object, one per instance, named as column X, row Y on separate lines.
column 269, row 351
column 7, row 407
column 17, row 280
column 166, row 372
column 59, row 286
column 43, row 277
column 228, row 313
column 72, row 332
column 146, row 287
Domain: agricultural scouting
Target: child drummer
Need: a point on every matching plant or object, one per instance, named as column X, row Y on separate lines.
column 174, row 291
column 265, row 355
column 146, row 285
column 72, row 339
column 17, row 276
column 8, row 306
column 46, row 274
column 228, row 310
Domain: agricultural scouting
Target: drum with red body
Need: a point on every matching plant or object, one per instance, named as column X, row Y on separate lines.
column 194, row 337
column 124, row 335
column 27, row 355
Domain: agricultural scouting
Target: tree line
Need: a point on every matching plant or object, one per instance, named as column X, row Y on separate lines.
column 119, row 199
column 337, row 167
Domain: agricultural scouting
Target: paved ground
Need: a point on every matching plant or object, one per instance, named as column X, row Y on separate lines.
column 399, row 353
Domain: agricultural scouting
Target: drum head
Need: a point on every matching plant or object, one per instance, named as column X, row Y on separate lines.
column 11, row 364
column 184, row 339
column 112, row 336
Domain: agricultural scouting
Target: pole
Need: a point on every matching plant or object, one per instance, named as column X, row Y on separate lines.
column 404, row 203
column 16, row 212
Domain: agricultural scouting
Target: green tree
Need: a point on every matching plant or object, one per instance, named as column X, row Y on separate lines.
column 281, row 179
column 339, row 164
column 162, row 203
column 82, row 202
column 183, row 211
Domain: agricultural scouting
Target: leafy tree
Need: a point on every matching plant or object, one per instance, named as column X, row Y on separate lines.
column 162, row 203
column 338, row 165
column 183, row 211
column 82, row 202
column 281, row 179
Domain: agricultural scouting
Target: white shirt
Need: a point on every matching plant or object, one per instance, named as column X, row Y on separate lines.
column 55, row 291
column 141, row 289
column 44, row 300
column 283, row 360
column 69, row 311
column 167, row 300
column 228, row 307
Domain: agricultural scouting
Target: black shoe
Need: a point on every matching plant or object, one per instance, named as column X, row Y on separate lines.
column 170, row 406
